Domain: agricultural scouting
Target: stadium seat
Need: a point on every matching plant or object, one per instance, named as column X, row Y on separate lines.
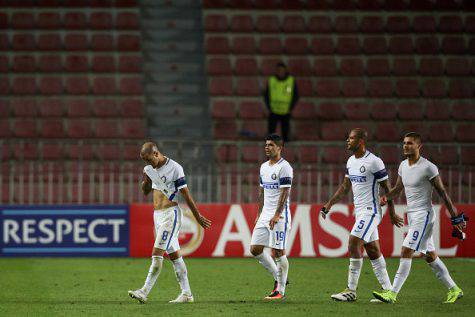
column 242, row 23
column 79, row 128
column 328, row 88
column 401, row 45
column 4, row 64
column 100, row 20
column 270, row 45
column 453, row 45
column 127, row 21
column 308, row 154
column 307, row 130
column 4, row 108
column 348, row 46
column 304, row 110
column 346, row 24
column 415, row 126
column 52, row 128
column 225, row 129
column 251, row 110
column 219, row 66
column 390, row 154
column 3, row 20
column 49, row 20
column 293, row 24
column 76, row 63
column 380, row 88
column 51, row 85
column 451, row 24
column 76, row 42
column 437, row 110
column 51, row 107
column 372, row 24
column 377, row 67
column 24, row 63
column 24, row 128
column 50, row 42
column 431, row 66
column 387, row 131
column 50, row 63
column 305, row 87
column 131, row 85
column 246, row 66
column 268, row 24
column 128, row 42
column 468, row 157
column 470, row 24
column 351, row 67
column 410, row 111
column 221, row 86
column 23, row 42
column 104, row 85
column 404, row 66
column 133, row 128
column 334, row 155
column 24, row 85
column 427, row 45
column 78, row 108
column 103, row 63
column 457, row 66
column 325, row 67
column 105, row 108
column 251, row 154
column 424, row 24
column 223, row 109
column 441, row 132
column 226, row 153
column 130, row 64
column 217, row 45
column 354, row 88
column 22, row 20
column 357, row 111
column 300, row 67
column 4, row 86
column 216, row 23
column 441, row 154
column 102, row 42
column 243, row 45
column 322, row 46
column 333, row 131
column 75, row 20
column 398, row 24
column 434, row 88
column 107, row 128
column 254, row 128
column 80, row 151
column 375, row 45
column 25, row 151
column 463, row 111
column 24, row 107
column 296, row 45
column 5, row 130
column 407, row 88
column 132, row 108
column 320, row 24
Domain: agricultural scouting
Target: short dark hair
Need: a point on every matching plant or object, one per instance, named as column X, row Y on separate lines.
column 361, row 134
column 277, row 139
column 416, row 136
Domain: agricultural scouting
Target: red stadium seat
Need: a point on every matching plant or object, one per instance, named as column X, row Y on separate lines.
column 441, row 132
column 130, row 64
column 24, row 107
column 463, row 111
column 404, row 66
column 223, row 109
column 24, row 85
column 322, row 46
column 107, row 128
column 346, row 24
column 453, row 45
column 52, row 128
column 354, row 88
column 51, row 107
column 401, row 45
column 133, row 128
column 427, row 45
column 219, row 66
column 293, row 24
column 131, row 86
column 267, row 23
column 226, row 153
column 348, row 45
column 329, row 111
column 216, row 23
column 451, row 24
column 270, row 45
column 334, row 155
column 22, row 20
column 4, row 86
column 5, row 130
column 4, row 65
column 410, row 111
column 51, row 85
column 296, row 45
column 434, row 88
column 380, row 88
column 308, row 154
column 465, row 132
column 24, row 63
column 242, row 23
column 304, row 110
column 81, row 151
column 268, row 66
column 437, row 110
column 102, row 42
column 357, row 111
column 23, row 42
column 372, row 24
column 407, row 88
column 254, row 128
column 50, row 63
column 225, row 129
column 104, row 85
column 24, row 128
column 415, row 126
column 300, row 67
column 75, row 20
column 333, row 131
column 247, row 87
column 470, row 24
column 100, row 20
column 132, row 108
column 221, row 86
column 79, row 128
column 320, row 24
column 431, row 66
column 103, row 63
column 377, row 67
column 351, row 67
column 328, row 88
column 52, row 151
column 105, row 108
column 390, row 154
column 217, row 45
column 387, row 131
column 3, row 20
column 127, row 21
column 468, row 156
column 251, row 110
column 425, row 24
column 325, row 67
column 78, row 108
column 50, row 42
column 77, row 63
column 251, row 154
column 243, row 45
column 384, row 111
column 421, row 5
column 307, row 130
column 246, row 66
column 398, row 24
column 375, row 45
column 77, row 85
column 128, row 42
column 49, row 20
column 76, row 42
column 458, row 66
column 25, row 151
column 305, row 87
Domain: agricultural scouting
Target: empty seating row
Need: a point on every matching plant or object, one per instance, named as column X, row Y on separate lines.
column 75, row 41
column 70, row 63
column 296, row 23
column 69, row 3
column 337, row 130
column 77, row 85
column 72, row 128
column 101, row 20
column 344, row 66
column 343, row 45
column 419, row 5
column 57, row 107
column 356, row 87
column 306, row 110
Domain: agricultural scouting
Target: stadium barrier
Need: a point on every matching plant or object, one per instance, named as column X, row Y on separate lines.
column 119, row 230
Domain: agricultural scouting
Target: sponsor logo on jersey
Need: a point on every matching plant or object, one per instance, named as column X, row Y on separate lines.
column 357, row 178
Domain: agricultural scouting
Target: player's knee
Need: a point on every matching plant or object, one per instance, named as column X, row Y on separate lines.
column 278, row 253
column 430, row 257
column 255, row 250
column 406, row 253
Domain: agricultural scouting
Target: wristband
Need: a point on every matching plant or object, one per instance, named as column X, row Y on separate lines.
column 458, row 219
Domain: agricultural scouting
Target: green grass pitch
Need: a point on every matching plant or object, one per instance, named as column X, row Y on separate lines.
column 96, row 286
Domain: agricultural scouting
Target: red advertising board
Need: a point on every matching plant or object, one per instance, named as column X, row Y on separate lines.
column 310, row 235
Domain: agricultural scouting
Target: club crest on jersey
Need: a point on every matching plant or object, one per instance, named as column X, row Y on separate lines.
column 163, row 178
column 274, row 176
column 362, row 169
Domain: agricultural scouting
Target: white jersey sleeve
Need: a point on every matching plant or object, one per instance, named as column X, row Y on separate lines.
column 286, row 175
column 179, row 177
column 432, row 170
column 379, row 170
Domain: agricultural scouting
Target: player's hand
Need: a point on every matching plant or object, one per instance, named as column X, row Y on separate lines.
column 324, row 211
column 204, row 222
column 396, row 220
column 273, row 221
column 459, row 223
column 383, row 200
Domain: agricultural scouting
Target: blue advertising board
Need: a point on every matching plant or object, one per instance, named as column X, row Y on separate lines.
column 64, row 230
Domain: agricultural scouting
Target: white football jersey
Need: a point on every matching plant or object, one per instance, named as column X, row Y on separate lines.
column 417, row 186
column 272, row 179
column 168, row 179
column 364, row 174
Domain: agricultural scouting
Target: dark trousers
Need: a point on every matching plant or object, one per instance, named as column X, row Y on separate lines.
column 285, row 124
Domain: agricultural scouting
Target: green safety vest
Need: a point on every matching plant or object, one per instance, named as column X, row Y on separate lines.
column 280, row 94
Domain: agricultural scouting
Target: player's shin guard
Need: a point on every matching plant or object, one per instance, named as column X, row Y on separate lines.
column 401, row 274
column 354, row 272
column 266, row 260
column 282, row 272
column 153, row 273
column 182, row 275
column 379, row 268
column 440, row 270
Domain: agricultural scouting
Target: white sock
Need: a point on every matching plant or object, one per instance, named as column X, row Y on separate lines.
column 153, row 273
column 354, row 272
column 401, row 274
column 282, row 272
column 440, row 270
column 379, row 269
column 266, row 260
column 182, row 275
